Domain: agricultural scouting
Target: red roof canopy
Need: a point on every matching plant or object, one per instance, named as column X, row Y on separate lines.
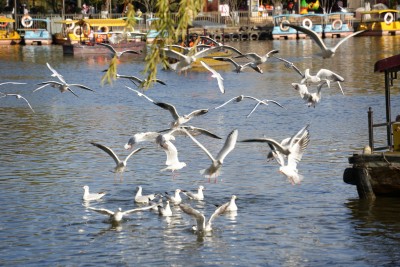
column 388, row 64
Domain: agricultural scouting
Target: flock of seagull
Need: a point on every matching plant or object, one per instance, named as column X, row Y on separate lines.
column 149, row 202
column 287, row 153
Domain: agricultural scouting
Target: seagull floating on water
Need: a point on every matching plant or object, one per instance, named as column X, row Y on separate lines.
column 327, row 52
column 165, row 210
column 63, row 86
column 202, row 226
column 139, row 198
column 259, row 102
column 87, row 196
column 231, row 204
column 215, row 75
column 18, row 96
column 117, row 216
column 195, row 196
column 176, row 198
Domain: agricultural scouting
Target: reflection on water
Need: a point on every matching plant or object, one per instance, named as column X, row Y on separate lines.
column 377, row 225
column 46, row 158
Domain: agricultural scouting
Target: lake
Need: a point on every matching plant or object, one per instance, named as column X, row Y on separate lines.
column 46, row 158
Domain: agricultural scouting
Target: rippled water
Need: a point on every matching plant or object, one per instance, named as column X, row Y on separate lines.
column 46, row 158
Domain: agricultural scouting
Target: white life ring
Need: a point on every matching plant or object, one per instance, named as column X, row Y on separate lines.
column 388, row 18
column 75, row 32
column 337, row 24
column 283, row 27
column 25, row 23
column 307, row 23
column 71, row 24
column 104, row 29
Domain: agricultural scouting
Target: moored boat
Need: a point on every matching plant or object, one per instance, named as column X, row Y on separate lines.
column 39, row 36
column 280, row 30
column 84, row 36
column 376, row 172
column 94, row 48
column 8, row 36
column 311, row 21
column 380, row 22
column 338, row 24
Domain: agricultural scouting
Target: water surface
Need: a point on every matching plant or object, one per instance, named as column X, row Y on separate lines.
column 46, row 158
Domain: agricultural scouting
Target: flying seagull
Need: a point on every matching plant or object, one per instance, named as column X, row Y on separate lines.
column 178, row 119
column 327, row 52
column 185, row 60
column 216, row 162
column 62, row 85
column 238, row 67
column 310, row 99
column 136, row 80
column 119, row 54
column 259, row 102
column 10, row 83
column 215, row 75
column 292, row 148
column 323, row 75
column 120, row 164
column 18, row 97
column 257, row 59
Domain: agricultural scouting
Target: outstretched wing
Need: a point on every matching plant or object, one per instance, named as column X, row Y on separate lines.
column 132, row 153
column 312, row 35
column 230, row 100
column 47, row 83
column 102, row 211
column 228, row 146
column 140, row 94
column 170, row 108
column 108, row 151
column 81, row 86
column 289, row 64
column 138, row 209
column 346, row 38
column 55, row 73
column 200, row 219
column 220, row 210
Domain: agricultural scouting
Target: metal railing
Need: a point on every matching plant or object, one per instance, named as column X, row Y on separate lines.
column 236, row 19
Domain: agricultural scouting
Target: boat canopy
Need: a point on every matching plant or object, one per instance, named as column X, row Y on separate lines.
column 380, row 11
column 390, row 64
column 6, row 20
column 98, row 22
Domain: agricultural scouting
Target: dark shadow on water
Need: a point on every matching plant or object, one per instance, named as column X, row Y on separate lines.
column 376, row 226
